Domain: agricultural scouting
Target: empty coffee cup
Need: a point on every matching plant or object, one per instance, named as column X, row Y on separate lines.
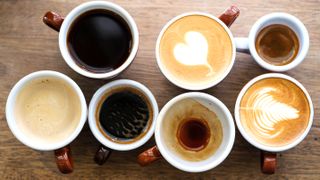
column 194, row 133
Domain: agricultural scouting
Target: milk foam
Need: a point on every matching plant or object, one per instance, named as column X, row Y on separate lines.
column 268, row 112
column 47, row 110
column 274, row 111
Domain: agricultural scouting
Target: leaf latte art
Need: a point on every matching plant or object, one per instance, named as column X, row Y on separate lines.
column 274, row 111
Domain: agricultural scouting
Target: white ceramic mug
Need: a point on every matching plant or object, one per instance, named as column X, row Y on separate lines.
column 63, row 25
column 61, row 148
column 161, row 150
column 247, row 45
column 269, row 152
column 225, row 20
column 107, row 144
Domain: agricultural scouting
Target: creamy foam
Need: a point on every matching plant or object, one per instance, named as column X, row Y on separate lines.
column 190, row 109
column 195, row 50
column 47, row 110
column 274, row 111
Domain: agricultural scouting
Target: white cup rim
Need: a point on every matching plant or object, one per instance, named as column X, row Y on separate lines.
column 212, row 164
column 10, row 110
column 194, row 87
column 250, row 139
column 93, row 108
column 74, row 13
column 273, row 17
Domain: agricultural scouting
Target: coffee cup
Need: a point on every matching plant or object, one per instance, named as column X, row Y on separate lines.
column 274, row 113
column 122, row 117
column 194, row 132
column 196, row 50
column 46, row 111
column 97, row 39
column 277, row 42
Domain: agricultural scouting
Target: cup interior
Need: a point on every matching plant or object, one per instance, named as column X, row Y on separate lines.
column 100, row 134
column 225, row 147
column 10, row 107
column 169, row 75
column 79, row 10
column 248, row 137
column 285, row 19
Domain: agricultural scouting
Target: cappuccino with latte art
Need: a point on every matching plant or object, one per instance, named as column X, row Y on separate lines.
column 195, row 51
column 274, row 111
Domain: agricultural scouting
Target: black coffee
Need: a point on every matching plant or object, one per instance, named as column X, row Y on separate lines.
column 99, row 41
column 124, row 115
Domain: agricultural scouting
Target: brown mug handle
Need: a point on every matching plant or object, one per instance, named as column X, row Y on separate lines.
column 268, row 162
column 64, row 160
column 230, row 15
column 53, row 20
column 102, row 155
column 149, row 156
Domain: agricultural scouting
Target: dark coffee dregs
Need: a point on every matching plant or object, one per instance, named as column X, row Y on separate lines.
column 99, row 41
column 124, row 115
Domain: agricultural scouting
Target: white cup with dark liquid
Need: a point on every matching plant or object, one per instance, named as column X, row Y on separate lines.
column 277, row 42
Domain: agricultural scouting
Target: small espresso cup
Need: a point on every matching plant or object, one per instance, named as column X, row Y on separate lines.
column 274, row 113
column 194, row 132
column 194, row 48
column 248, row 45
column 32, row 104
column 122, row 117
column 64, row 24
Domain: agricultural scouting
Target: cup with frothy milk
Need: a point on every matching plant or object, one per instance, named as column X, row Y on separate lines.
column 46, row 110
column 196, row 50
column 274, row 113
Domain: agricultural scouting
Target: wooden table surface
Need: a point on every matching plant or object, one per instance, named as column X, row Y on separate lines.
column 27, row 45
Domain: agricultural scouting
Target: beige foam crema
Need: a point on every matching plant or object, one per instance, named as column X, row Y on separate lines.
column 274, row 111
column 186, row 109
column 195, row 49
column 47, row 110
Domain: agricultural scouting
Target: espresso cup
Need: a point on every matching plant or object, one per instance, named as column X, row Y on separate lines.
column 274, row 113
column 122, row 117
column 248, row 45
column 194, row 133
column 86, row 40
column 196, row 50
column 46, row 111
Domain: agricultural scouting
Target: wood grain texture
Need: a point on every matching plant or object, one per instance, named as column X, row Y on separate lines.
column 27, row 45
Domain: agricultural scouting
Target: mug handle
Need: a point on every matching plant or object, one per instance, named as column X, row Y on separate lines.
column 149, row 156
column 242, row 44
column 102, row 155
column 268, row 162
column 230, row 15
column 64, row 160
column 53, row 20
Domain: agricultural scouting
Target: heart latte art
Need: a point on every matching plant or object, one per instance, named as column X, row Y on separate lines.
column 195, row 50
column 274, row 111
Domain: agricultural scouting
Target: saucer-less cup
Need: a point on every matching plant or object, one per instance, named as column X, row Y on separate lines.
column 269, row 153
column 63, row 24
column 247, row 45
column 61, row 149
column 225, row 20
column 161, row 150
column 107, row 144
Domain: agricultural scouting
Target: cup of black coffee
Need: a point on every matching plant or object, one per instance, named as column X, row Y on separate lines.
column 122, row 117
column 96, row 39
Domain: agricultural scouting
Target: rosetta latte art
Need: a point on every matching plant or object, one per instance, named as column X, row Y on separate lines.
column 274, row 111
column 267, row 112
